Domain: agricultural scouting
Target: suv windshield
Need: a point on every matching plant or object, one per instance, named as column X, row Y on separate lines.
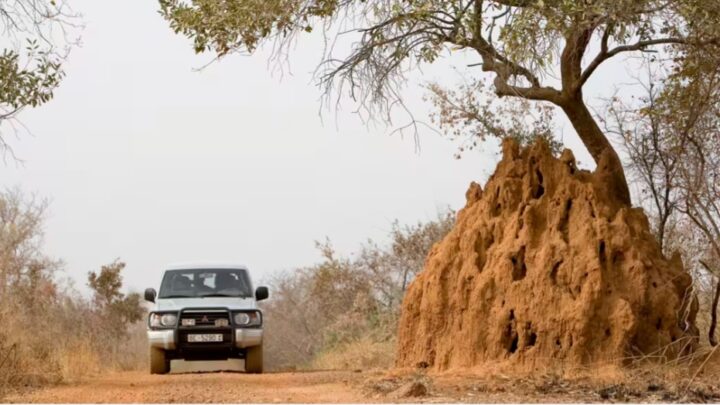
column 205, row 283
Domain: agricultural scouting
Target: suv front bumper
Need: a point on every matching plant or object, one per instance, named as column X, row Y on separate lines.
column 166, row 339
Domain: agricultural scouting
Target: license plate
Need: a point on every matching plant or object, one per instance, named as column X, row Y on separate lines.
column 196, row 338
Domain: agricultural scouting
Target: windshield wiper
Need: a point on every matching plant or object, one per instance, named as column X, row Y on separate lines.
column 219, row 295
column 176, row 296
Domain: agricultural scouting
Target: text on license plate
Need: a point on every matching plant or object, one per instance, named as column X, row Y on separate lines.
column 201, row 338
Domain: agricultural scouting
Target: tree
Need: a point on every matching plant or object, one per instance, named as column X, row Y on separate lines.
column 653, row 152
column 391, row 269
column 38, row 36
column 117, row 309
column 699, row 169
column 672, row 139
column 522, row 43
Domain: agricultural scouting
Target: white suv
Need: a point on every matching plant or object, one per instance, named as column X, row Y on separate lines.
column 205, row 311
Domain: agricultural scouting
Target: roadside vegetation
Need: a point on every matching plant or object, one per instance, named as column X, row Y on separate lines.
column 50, row 332
column 342, row 312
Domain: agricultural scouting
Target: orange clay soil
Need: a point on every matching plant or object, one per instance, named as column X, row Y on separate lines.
column 545, row 267
column 695, row 380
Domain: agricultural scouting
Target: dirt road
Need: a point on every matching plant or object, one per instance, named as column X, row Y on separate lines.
column 133, row 387
column 362, row 386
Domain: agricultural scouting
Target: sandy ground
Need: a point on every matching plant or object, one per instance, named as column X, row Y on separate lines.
column 205, row 382
column 133, row 387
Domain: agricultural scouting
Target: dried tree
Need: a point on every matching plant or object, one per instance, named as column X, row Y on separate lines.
column 22, row 263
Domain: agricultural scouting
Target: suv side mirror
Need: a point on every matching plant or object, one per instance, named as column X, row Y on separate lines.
column 150, row 294
column 261, row 293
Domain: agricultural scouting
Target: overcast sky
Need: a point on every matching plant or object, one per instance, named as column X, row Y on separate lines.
column 145, row 159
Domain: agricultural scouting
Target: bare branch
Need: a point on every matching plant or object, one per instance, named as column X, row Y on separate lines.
column 604, row 54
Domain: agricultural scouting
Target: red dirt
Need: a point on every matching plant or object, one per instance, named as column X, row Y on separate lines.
column 225, row 387
column 374, row 387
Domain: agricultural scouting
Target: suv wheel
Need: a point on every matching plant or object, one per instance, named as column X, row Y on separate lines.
column 159, row 363
column 254, row 360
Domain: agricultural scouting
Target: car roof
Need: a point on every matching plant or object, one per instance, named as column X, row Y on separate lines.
column 205, row 265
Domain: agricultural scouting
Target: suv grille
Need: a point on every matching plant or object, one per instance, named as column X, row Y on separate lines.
column 205, row 319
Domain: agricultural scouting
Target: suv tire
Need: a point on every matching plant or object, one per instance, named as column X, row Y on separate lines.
column 254, row 360
column 159, row 363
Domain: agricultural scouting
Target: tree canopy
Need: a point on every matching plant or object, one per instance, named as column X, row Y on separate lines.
column 540, row 50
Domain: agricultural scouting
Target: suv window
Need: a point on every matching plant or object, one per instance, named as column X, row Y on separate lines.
column 205, row 283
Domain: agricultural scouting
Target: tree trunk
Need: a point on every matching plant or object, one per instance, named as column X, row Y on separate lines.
column 713, row 308
column 713, row 315
column 598, row 145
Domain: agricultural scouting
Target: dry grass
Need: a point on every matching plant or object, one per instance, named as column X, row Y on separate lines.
column 77, row 362
column 691, row 379
column 364, row 353
column 38, row 351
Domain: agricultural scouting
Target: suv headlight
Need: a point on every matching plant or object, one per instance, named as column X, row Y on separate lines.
column 247, row 319
column 166, row 320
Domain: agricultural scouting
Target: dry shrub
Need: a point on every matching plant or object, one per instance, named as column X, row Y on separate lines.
column 50, row 333
column 62, row 345
column 691, row 378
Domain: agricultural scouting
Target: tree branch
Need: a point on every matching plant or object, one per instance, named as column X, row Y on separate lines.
column 571, row 59
column 502, row 88
column 515, row 3
column 505, row 70
column 492, row 59
column 606, row 54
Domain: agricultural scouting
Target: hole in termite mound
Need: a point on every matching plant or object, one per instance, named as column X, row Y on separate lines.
column 510, row 334
column 554, row 271
column 532, row 339
column 514, row 344
column 519, row 269
column 539, row 188
column 602, row 255
column 564, row 220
